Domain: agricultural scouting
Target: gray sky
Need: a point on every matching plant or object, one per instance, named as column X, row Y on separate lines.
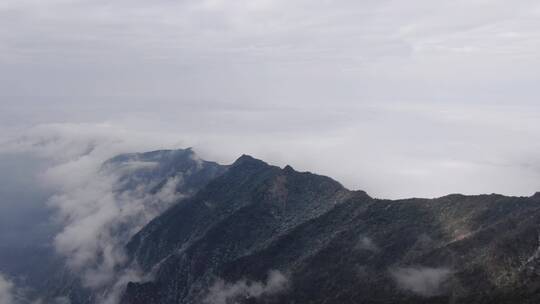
column 398, row 98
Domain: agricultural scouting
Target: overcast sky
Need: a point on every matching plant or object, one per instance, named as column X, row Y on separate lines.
column 398, row 98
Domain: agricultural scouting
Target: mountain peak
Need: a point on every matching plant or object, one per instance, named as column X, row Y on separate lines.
column 247, row 160
column 288, row 168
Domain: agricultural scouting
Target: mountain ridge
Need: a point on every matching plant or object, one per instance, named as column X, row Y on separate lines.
column 255, row 238
column 251, row 232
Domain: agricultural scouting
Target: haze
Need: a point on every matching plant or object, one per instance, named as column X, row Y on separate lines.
column 397, row 98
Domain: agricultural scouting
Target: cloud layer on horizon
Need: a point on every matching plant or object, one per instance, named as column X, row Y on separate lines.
column 269, row 52
column 400, row 99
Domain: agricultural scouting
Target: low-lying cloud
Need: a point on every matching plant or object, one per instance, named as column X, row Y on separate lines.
column 99, row 221
column 6, row 291
column 366, row 243
column 223, row 293
column 96, row 214
column 424, row 281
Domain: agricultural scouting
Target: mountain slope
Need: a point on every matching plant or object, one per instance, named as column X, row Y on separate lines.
column 241, row 212
column 261, row 234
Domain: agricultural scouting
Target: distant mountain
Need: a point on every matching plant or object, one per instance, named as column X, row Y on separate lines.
column 153, row 169
column 261, row 234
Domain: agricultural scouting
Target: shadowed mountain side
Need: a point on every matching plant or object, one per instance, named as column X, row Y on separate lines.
column 335, row 245
column 329, row 261
column 241, row 212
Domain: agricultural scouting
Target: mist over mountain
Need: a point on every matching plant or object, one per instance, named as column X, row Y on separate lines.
column 69, row 242
column 168, row 227
column 131, row 189
column 269, row 151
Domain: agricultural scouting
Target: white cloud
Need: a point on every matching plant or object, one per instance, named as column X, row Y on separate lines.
column 97, row 217
column 396, row 98
column 98, row 222
column 390, row 151
column 366, row 243
column 6, row 291
column 424, row 281
column 277, row 52
column 222, row 292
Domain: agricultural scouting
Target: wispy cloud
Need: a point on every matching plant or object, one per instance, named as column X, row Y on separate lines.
column 382, row 95
column 97, row 215
column 424, row 281
column 366, row 243
column 222, row 292
column 6, row 291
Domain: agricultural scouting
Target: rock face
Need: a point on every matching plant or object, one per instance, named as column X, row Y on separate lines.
column 261, row 234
